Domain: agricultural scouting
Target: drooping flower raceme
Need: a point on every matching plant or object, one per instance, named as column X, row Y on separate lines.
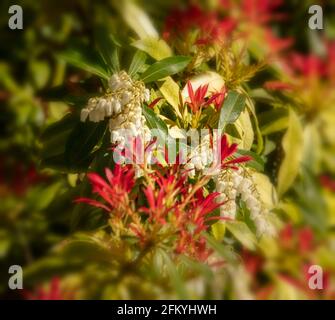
column 122, row 105
column 232, row 179
column 200, row 155
column 214, row 154
column 239, row 183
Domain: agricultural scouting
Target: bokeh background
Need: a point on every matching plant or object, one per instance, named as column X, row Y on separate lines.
column 37, row 212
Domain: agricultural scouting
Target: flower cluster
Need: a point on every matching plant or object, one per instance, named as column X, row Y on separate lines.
column 214, row 154
column 208, row 24
column 198, row 98
column 121, row 104
column 175, row 212
column 184, row 208
column 233, row 184
column 114, row 191
column 200, row 156
column 53, row 291
column 185, row 166
column 232, row 181
column 255, row 16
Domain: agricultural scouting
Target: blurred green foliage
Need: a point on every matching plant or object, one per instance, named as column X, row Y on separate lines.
column 60, row 59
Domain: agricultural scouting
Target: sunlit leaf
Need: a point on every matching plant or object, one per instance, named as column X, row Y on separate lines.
column 273, row 121
column 85, row 60
column 155, row 48
column 232, row 107
column 242, row 233
column 174, row 276
column 154, row 122
column 293, row 145
column 224, row 251
column 107, row 49
column 244, row 127
column 265, row 189
column 165, row 68
column 137, row 19
column 137, row 63
column 256, row 162
column 170, row 90
column 218, row 230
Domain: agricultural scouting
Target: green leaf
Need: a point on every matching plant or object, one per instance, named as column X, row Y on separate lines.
column 57, row 162
column 45, row 195
column 218, row 230
column 81, row 142
column 5, row 243
column 54, row 138
column 137, row 19
column 137, row 63
column 292, row 211
column 274, row 126
column 68, row 143
column 251, row 109
column 257, row 162
column 314, row 150
column 245, row 130
column 224, row 251
column 312, row 206
column 85, row 60
column 175, row 276
column 165, row 68
column 89, row 248
column 199, row 267
column 82, row 215
column 242, row 233
column 170, row 90
column 107, row 49
column 154, row 47
column 115, row 61
column 40, row 72
column 75, row 94
column 262, row 95
column 153, row 120
column 159, row 49
column 65, row 124
column 232, row 107
column 47, row 267
column 273, row 121
column 293, row 144
column 265, row 189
